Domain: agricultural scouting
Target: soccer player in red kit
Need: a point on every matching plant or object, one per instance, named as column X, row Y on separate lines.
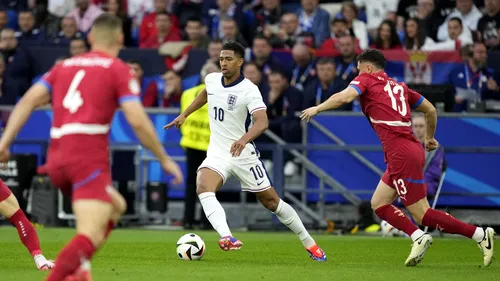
column 85, row 92
column 9, row 208
column 387, row 105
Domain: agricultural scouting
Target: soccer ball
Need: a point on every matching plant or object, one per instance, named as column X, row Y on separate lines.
column 190, row 247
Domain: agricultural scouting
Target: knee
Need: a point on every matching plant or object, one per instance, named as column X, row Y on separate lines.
column 418, row 210
column 377, row 203
column 95, row 235
column 418, row 215
column 9, row 206
column 271, row 203
column 202, row 187
column 120, row 205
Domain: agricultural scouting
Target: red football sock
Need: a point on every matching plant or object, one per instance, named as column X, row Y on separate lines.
column 446, row 223
column 396, row 218
column 26, row 232
column 70, row 257
column 111, row 226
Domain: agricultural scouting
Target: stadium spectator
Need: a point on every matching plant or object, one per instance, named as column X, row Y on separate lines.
column 68, row 32
column 387, row 37
column 28, row 35
column 9, row 88
column 433, row 168
column 291, row 33
column 267, row 18
column 488, row 27
column 214, row 49
column 18, row 62
column 346, row 65
column 303, row 69
column 230, row 32
column 314, row 19
column 193, row 33
column 445, row 8
column 149, row 26
column 458, row 36
column 282, row 102
column 4, row 19
column 60, row 8
column 195, row 139
column 338, row 29
column 467, row 12
column 137, row 10
column 416, row 38
column 164, row 32
column 149, row 91
column 187, row 9
column 406, row 9
column 252, row 72
column 213, row 15
column 262, row 55
column 456, row 31
column 84, row 14
column 116, row 7
column 377, row 12
column 173, row 89
column 325, row 85
column 473, row 81
column 78, row 46
column 429, row 17
column 350, row 13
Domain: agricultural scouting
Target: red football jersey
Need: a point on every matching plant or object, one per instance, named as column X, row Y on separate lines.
column 86, row 90
column 387, row 105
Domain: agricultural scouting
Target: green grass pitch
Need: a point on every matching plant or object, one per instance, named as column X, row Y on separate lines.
column 149, row 255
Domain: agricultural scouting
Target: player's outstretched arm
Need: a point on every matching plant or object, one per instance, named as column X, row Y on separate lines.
column 345, row 96
column 38, row 95
column 259, row 126
column 431, row 120
column 198, row 102
column 143, row 128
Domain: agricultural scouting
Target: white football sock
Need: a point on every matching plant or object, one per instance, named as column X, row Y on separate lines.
column 215, row 213
column 478, row 235
column 287, row 215
column 416, row 234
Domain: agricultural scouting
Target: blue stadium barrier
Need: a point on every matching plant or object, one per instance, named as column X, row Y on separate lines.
column 467, row 172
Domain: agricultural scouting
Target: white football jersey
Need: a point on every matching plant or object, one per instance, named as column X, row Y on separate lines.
column 229, row 107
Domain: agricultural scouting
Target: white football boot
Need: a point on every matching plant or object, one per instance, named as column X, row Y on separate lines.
column 419, row 247
column 487, row 245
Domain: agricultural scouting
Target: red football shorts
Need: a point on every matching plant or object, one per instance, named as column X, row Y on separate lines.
column 4, row 191
column 87, row 180
column 405, row 172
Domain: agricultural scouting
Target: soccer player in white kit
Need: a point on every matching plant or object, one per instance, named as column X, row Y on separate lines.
column 231, row 98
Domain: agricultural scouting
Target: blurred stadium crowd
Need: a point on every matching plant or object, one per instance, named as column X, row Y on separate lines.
column 303, row 27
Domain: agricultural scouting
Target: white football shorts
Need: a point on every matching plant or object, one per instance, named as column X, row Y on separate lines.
column 250, row 171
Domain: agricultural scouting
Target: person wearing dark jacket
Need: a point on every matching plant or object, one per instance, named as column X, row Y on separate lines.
column 28, row 35
column 325, row 85
column 283, row 101
column 9, row 88
column 17, row 61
